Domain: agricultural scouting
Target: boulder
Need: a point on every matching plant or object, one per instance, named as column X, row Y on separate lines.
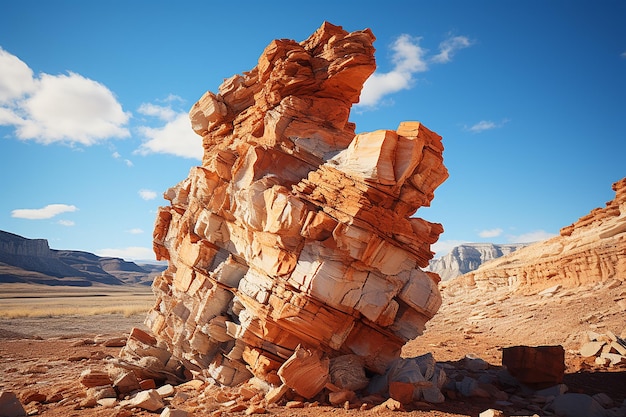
column 10, row 405
column 536, row 366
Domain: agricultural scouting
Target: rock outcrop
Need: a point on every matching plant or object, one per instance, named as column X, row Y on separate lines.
column 469, row 257
column 591, row 250
column 294, row 244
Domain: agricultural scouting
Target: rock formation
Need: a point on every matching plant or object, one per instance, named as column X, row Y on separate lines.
column 593, row 249
column 292, row 248
column 468, row 257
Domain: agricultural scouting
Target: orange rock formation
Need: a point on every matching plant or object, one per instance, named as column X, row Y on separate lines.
column 593, row 249
column 293, row 243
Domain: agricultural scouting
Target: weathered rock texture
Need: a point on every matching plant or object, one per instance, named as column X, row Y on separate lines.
column 469, row 257
column 295, row 234
column 591, row 250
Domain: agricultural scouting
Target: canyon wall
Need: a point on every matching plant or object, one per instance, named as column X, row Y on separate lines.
column 591, row 250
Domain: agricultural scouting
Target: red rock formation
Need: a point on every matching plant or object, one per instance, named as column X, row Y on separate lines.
column 295, row 234
column 593, row 249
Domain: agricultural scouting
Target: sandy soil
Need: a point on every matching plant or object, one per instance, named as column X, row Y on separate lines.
column 46, row 355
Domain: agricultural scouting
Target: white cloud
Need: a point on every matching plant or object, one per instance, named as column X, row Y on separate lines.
column 16, row 78
column 46, row 212
column 66, row 223
column 623, row 54
column 409, row 58
column 534, row 236
column 135, row 231
column 442, row 247
column 449, row 47
column 147, row 194
column 165, row 113
column 132, row 253
column 117, row 155
column 490, row 233
column 66, row 108
column 176, row 138
column 481, row 126
column 171, row 98
column 486, row 125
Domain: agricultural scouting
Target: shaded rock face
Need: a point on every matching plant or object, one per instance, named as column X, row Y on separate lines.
column 295, row 232
column 591, row 250
column 468, row 257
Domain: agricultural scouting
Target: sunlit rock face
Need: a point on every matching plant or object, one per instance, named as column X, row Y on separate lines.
column 296, row 231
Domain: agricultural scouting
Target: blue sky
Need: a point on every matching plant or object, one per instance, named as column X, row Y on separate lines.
column 529, row 96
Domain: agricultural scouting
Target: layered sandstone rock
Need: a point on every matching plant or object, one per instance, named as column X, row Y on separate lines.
column 591, row 250
column 293, row 244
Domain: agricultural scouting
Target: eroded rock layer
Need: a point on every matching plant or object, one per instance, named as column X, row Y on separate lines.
column 295, row 232
column 591, row 250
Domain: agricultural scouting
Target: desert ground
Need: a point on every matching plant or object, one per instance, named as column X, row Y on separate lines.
column 47, row 338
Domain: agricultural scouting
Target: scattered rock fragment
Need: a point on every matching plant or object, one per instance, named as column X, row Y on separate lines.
column 491, row 413
column 174, row 412
column 577, row 405
column 148, row 400
column 92, row 378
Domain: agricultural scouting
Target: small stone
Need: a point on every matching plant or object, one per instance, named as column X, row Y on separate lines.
column 340, row 397
column 294, row 404
column 591, row 349
column 601, row 361
column 107, row 402
column 619, row 348
column 145, row 384
column 148, row 400
column 491, row 413
column 88, row 402
column 390, row 404
column 474, row 363
column 577, row 405
column 127, row 382
column 115, row 342
column 236, row 408
column 613, row 357
column 194, row 385
column 104, row 391
column 173, row 412
column 166, row 390
column 276, row 394
column 91, row 378
column 604, row 400
column 255, row 409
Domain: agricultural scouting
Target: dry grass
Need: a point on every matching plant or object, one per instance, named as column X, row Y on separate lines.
column 20, row 300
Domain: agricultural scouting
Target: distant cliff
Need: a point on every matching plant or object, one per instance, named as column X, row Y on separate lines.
column 32, row 261
column 589, row 251
column 468, row 257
